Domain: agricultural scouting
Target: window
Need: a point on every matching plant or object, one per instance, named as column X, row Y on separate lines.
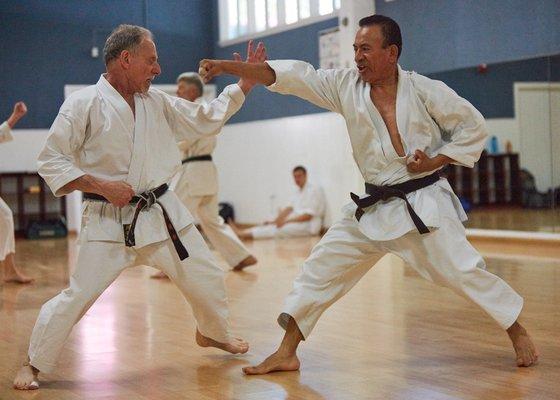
column 243, row 19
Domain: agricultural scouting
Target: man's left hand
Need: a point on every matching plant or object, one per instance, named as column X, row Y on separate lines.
column 253, row 57
column 420, row 162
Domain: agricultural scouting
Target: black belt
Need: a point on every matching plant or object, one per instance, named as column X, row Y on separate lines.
column 206, row 157
column 143, row 202
column 400, row 190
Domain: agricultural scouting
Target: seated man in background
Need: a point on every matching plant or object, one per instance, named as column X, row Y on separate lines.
column 196, row 184
column 302, row 217
column 7, row 239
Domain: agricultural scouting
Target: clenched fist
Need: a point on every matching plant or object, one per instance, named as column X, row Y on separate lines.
column 119, row 193
column 20, row 109
column 208, row 69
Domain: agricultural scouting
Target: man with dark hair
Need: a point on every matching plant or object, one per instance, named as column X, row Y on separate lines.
column 116, row 141
column 389, row 28
column 302, row 217
column 408, row 210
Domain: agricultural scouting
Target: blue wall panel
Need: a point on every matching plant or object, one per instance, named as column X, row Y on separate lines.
column 440, row 35
column 299, row 44
column 46, row 44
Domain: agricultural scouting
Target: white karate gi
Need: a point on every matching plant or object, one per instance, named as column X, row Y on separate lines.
column 430, row 117
column 96, row 133
column 309, row 200
column 7, row 239
column 196, row 184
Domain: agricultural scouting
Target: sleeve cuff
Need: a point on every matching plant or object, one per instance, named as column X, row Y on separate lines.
column 280, row 68
column 458, row 159
column 60, row 181
column 5, row 132
column 235, row 92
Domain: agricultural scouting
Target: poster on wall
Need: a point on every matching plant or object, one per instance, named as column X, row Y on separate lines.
column 329, row 48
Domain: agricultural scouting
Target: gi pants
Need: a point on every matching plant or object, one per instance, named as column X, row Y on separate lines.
column 443, row 256
column 99, row 263
column 7, row 239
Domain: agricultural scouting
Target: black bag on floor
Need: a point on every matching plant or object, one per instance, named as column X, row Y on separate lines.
column 50, row 228
column 226, row 211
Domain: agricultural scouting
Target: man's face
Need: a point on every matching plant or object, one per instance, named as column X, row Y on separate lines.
column 300, row 178
column 143, row 66
column 187, row 91
column 373, row 61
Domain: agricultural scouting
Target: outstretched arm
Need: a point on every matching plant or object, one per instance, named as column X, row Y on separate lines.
column 190, row 121
column 259, row 73
column 297, row 78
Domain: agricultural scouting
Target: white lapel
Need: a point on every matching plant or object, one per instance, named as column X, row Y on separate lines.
column 137, row 162
column 402, row 110
column 122, row 111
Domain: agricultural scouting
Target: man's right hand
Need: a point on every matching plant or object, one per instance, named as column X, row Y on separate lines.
column 20, row 109
column 208, row 69
column 119, row 193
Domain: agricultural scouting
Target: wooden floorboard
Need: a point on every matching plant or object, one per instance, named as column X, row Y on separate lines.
column 394, row 336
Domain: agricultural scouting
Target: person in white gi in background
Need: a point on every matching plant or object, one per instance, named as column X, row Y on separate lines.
column 302, row 217
column 395, row 121
column 196, row 184
column 117, row 142
column 7, row 239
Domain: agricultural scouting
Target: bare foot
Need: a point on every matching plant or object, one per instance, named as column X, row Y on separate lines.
column 526, row 352
column 159, row 275
column 247, row 262
column 17, row 277
column 234, row 346
column 26, row 378
column 275, row 362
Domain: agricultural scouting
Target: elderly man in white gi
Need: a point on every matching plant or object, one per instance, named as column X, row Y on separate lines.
column 395, row 121
column 117, row 142
column 302, row 217
column 196, row 184
column 11, row 274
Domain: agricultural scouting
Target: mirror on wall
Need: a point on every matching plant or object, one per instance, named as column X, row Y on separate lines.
column 516, row 183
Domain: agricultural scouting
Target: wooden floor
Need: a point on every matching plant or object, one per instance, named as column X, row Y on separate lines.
column 515, row 219
column 394, row 336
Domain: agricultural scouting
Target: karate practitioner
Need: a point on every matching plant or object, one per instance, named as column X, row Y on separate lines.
column 7, row 239
column 197, row 186
column 395, row 121
column 117, row 142
column 303, row 216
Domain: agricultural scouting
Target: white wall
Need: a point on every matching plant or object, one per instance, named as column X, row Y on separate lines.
column 20, row 155
column 505, row 129
column 255, row 162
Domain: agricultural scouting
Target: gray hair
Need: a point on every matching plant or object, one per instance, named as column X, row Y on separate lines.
column 124, row 37
column 192, row 78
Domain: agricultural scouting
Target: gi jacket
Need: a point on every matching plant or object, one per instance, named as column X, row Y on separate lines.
column 96, row 133
column 430, row 117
